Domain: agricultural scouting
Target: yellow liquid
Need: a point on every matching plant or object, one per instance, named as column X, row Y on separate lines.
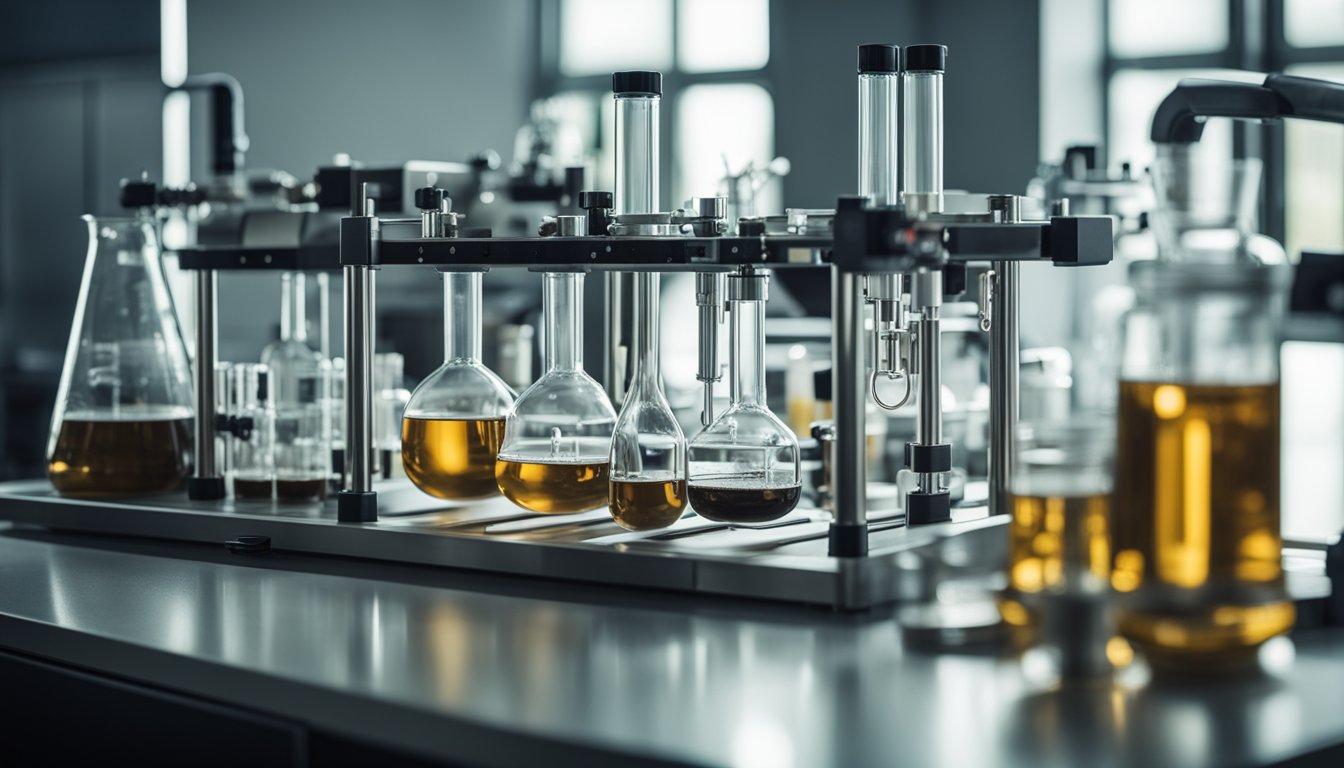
column 553, row 489
column 1055, row 543
column 452, row 458
column 1198, row 553
column 644, row 505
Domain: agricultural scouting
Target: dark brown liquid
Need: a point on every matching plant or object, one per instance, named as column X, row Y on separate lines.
column 452, row 458
column 744, row 502
column 553, row 488
column 252, row 489
column 645, row 505
column 112, row 458
column 301, row 490
column 1198, row 554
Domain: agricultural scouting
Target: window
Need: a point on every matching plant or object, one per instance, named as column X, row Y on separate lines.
column 717, row 109
column 1303, row 199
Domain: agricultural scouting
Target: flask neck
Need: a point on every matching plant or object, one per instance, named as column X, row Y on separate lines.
column 562, row 309
column 462, row 316
column 293, row 310
column 747, row 352
column 647, row 367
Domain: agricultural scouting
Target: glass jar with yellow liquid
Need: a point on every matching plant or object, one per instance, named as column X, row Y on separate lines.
column 1197, row 546
column 556, row 452
column 454, row 422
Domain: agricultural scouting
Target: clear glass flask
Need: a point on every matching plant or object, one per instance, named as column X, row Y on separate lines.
column 648, row 450
column 1197, row 543
column 123, row 417
column 744, row 467
column 454, row 422
column 300, row 388
column 251, row 433
column 556, row 453
column 291, row 357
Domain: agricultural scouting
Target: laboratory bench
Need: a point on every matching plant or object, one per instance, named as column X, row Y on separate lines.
column 177, row 652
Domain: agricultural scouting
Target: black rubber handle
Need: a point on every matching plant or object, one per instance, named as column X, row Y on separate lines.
column 1180, row 117
column 1308, row 98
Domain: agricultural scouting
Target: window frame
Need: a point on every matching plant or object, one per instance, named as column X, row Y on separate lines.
column 551, row 81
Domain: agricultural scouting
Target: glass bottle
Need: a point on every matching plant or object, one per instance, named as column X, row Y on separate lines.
column 744, row 467
column 300, row 387
column 648, row 450
column 557, row 440
column 1198, row 550
column 123, row 417
column 454, row 421
column 251, row 433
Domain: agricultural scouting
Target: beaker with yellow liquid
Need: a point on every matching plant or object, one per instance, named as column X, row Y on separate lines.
column 1197, row 546
column 454, row 422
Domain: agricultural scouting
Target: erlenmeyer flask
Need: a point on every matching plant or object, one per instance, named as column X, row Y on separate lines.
column 557, row 439
column 648, row 468
column 744, row 468
column 454, row 421
column 123, row 417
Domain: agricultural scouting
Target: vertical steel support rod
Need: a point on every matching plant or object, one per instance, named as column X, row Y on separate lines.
column 358, row 503
column 1003, row 385
column 205, row 484
column 849, row 529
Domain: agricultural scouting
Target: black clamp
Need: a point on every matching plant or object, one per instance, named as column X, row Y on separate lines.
column 597, row 204
column 357, row 507
column 928, row 459
column 925, row 508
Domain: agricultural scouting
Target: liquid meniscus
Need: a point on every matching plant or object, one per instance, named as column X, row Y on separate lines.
column 553, row 488
column 742, row 501
column 103, row 456
column 452, row 458
column 1198, row 553
column 253, row 488
column 645, row 505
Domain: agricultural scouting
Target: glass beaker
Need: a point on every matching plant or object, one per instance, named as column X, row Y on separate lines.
column 251, row 433
column 556, row 453
column 389, row 407
column 1198, row 549
column 744, row 467
column 648, row 450
column 454, row 421
column 1205, row 204
column 123, row 417
column 303, row 436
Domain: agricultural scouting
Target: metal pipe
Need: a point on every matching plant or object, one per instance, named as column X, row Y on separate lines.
column 1003, row 385
column 709, row 309
column 206, row 356
column 928, row 298
column 359, row 309
column 849, row 481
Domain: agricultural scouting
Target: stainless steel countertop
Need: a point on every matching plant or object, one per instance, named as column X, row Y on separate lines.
column 505, row 671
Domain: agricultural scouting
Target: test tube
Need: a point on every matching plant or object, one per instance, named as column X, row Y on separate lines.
column 638, row 95
column 879, row 78
column 923, row 134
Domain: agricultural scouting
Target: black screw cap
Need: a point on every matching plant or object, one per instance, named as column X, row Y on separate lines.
column 879, row 58
column 590, row 199
column 429, row 198
column 926, row 58
column 637, row 81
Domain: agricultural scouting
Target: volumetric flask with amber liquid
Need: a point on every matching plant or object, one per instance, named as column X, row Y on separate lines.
column 1198, row 549
column 124, row 414
column 454, row 421
column 648, row 451
column 744, row 467
column 557, row 440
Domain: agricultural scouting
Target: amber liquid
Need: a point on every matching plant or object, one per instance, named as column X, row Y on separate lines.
column 452, row 458
column 251, row 489
column 301, row 489
column 645, row 505
column 553, row 488
column 1196, row 532
column 96, row 457
column 1056, row 543
column 743, row 501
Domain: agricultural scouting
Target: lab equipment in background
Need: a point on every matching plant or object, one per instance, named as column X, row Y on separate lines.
column 1059, row 594
column 454, row 421
column 291, row 358
column 390, row 398
column 744, row 187
column 556, row 451
column 648, row 450
column 745, row 467
column 251, row 427
column 800, row 396
column 123, row 417
column 301, row 389
column 514, row 343
column 1046, row 384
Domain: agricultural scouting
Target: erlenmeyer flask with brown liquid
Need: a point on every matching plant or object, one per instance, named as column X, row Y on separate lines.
column 122, row 424
column 454, row 421
column 555, row 456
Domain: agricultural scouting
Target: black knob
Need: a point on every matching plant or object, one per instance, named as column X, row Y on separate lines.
column 590, row 199
column 138, row 193
column 429, row 198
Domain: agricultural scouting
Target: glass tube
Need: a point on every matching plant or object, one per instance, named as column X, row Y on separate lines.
column 252, row 444
column 648, row 475
column 878, row 177
column 637, row 152
column 923, row 135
